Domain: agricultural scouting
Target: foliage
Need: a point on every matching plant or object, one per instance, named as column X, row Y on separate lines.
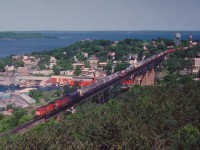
column 22, row 35
column 121, row 66
column 35, row 94
column 19, row 64
column 2, row 65
column 151, row 117
column 9, row 106
column 108, row 68
column 56, row 70
column 77, row 71
column 188, row 137
column 18, row 117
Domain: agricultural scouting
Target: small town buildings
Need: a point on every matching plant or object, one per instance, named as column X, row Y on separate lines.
column 5, row 96
column 27, row 99
column 93, row 61
column 23, row 70
column 67, row 72
column 81, row 81
column 60, row 79
column 43, row 72
column 51, row 65
column 195, row 65
column 28, row 60
column 85, row 54
column 102, row 64
column 53, row 61
column 80, row 64
column 114, row 43
column 85, row 71
column 111, row 54
column 10, row 68
column 16, row 57
column 99, row 73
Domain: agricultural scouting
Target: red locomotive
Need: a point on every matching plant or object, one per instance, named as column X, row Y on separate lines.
column 46, row 109
column 62, row 101
column 42, row 111
column 53, row 106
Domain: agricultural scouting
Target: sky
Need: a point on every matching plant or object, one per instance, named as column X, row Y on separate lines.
column 99, row 15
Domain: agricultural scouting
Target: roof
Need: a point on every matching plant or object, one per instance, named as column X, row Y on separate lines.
column 27, row 98
column 93, row 57
column 5, row 96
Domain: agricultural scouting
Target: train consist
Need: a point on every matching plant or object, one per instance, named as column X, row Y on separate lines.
column 56, row 104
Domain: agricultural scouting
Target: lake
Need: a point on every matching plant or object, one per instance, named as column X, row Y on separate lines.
column 66, row 38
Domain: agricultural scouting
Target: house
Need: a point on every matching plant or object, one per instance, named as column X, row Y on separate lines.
column 80, row 64
column 102, row 64
column 43, row 72
column 28, row 60
column 51, row 65
column 85, row 54
column 10, row 68
column 195, row 65
column 93, row 61
column 27, row 99
column 67, row 72
column 60, row 79
column 114, row 43
column 23, row 70
column 16, row 57
column 53, row 59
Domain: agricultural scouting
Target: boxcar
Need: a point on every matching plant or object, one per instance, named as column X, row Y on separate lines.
column 74, row 95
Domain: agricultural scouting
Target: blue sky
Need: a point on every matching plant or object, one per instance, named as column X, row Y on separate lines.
column 90, row 15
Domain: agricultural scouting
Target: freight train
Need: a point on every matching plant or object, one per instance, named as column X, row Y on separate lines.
column 56, row 104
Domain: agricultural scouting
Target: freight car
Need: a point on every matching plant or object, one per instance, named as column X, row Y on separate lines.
column 53, row 106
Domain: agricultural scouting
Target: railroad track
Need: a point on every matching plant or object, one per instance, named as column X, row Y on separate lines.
column 103, row 87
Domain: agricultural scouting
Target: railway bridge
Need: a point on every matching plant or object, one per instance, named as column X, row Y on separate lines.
column 143, row 74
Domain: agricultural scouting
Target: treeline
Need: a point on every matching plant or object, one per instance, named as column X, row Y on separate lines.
column 152, row 117
column 22, row 35
column 100, row 48
column 18, row 117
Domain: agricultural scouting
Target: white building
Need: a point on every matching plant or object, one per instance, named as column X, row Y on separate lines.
column 67, row 72
column 10, row 68
column 196, row 65
column 27, row 98
column 44, row 72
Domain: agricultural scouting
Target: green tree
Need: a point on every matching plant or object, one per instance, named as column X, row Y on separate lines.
column 35, row 94
column 19, row 64
column 108, row 68
column 188, row 137
column 87, row 65
column 2, row 65
column 9, row 106
column 77, row 71
column 121, row 66
column 56, row 70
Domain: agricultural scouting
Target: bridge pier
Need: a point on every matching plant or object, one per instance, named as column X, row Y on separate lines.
column 166, row 57
column 146, row 79
column 58, row 117
column 138, row 80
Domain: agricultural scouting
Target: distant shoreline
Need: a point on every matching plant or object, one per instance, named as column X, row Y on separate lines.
column 22, row 35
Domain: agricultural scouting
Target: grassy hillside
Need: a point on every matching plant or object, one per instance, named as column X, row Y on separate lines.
column 153, row 117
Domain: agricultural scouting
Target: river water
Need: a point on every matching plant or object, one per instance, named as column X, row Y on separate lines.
column 66, row 38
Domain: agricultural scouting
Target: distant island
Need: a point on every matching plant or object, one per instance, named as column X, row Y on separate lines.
column 22, row 35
